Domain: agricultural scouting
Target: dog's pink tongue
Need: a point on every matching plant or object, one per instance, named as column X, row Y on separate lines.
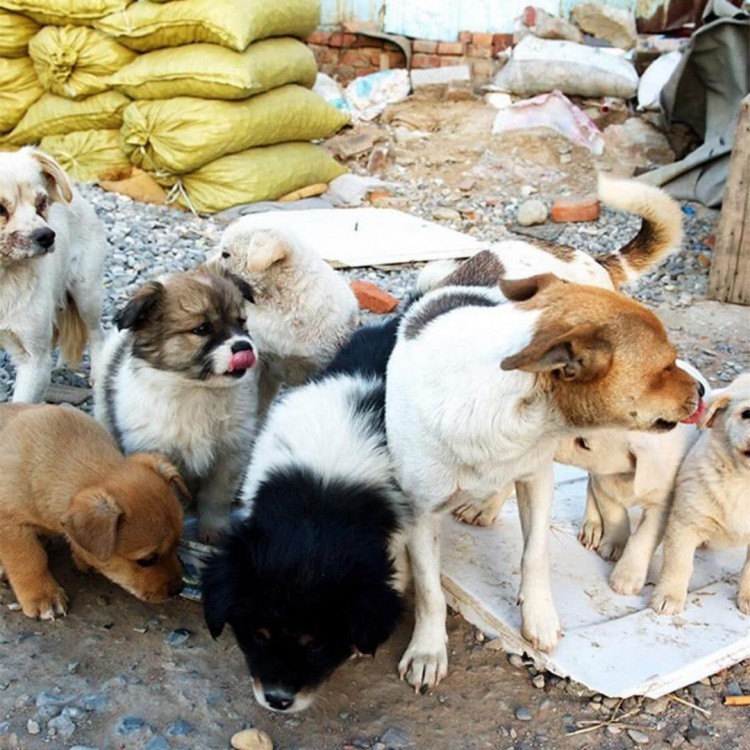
column 696, row 415
column 242, row 360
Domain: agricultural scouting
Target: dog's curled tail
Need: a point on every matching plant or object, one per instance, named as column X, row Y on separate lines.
column 660, row 233
column 71, row 333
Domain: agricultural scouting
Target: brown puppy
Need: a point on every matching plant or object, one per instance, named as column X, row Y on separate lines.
column 63, row 474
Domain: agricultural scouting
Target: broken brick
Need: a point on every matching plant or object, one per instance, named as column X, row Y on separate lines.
column 580, row 208
column 451, row 48
column 371, row 297
column 424, row 45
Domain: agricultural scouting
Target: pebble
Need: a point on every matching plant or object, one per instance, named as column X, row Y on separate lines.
column 62, row 726
column 443, row 213
column 523, row 714
column 640, row 738
column 179, row 728
column 157, row 742
column 32, row 726
column 396, row 739
column 251, row 739
column 129, row 724
column 532, row 212
column 538, row 681
column 178, row 637
column 516, row 660
column 96, row 702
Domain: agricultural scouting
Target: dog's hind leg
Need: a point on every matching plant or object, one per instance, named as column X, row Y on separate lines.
column 425, row 661
column 615, row 520
column 33, row 372
column 540, row 624
column 483, row 512
column 25, row 563
column 592, row 526
column 743, row 594
column 89, row 307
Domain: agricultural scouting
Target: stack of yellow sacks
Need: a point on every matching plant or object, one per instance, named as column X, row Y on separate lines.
column 212, row 97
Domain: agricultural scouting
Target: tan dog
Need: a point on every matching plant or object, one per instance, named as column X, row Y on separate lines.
column 711, row 498
column 52, row 252
column 63, row 474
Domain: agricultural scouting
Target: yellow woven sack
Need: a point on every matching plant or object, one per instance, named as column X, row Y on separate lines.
column 64, row 12
column 19, row 89
column 15, row 32
column 85, row 154
column 55, row 115
column 258, row 174
column 214, row 72
column 180, row 135
column 75, row 61
column 145, row 26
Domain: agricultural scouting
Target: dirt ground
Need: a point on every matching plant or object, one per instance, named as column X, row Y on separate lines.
column 128, row 675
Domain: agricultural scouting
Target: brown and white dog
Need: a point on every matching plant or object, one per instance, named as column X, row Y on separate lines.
column 179, row 378
column 52, row 251
column 485, row 381
column 302, row 310
column 711, row 498
column 63, row 475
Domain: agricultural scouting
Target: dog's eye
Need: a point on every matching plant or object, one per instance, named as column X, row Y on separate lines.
column 149, row 561
column 3, row 211
column 204, row 329
column 41, row 204
column 225, row 255
column 242, row 322
column 745, row 414
column 581, row 443
column 262, row 635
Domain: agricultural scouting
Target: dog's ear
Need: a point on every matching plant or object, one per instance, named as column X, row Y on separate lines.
column 520, row 290
column 91, row 522
column 162, row 466
column 718, row 403
column 58, row 184
column 266, row 247
column 579, row 353
column 141, row 306
column 373, row 615
column 245, row 289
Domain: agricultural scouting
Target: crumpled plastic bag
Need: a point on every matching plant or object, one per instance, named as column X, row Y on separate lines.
column 555, row 111
column 15, row 32
column 655, row 78
column 369, row 95
column 19, row 89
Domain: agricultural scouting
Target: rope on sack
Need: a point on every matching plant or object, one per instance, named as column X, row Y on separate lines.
column 178, row 191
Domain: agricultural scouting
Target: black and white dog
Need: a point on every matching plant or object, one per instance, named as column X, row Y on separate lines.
column 309, row 576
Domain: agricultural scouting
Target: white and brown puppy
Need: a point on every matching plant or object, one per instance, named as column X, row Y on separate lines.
column 711, row 498
column 52, row 251
column 179, row 378
column 302, row 310
column 482, row 386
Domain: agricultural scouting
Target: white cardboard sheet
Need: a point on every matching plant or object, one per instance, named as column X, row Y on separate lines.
column 348, row 237
column 613, row 644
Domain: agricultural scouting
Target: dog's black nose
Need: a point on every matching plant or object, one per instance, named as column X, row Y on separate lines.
column 43, row 237
column 241, row 346
column 701, row 389
column 278, row 701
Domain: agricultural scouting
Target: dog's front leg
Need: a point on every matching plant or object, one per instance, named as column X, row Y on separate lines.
column 670, row 593
column 425, row 661
column 743, row 594
column 590, row 533
column 33, row 373
column 539, row 622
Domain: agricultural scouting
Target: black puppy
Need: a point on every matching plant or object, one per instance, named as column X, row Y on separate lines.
column 308, row 577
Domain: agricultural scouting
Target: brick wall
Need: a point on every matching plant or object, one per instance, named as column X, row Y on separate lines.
column 350, row 55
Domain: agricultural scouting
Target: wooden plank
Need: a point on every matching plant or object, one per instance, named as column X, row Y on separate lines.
column 729, row 278
column 58, row 393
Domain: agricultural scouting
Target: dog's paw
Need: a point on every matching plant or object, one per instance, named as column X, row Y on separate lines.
column 423, row 665
column 610, row 549
column 476, row 515
column 627, row 580
column 590, row 534
column 667, row 602
column 540, row 625
column 743, row 603
column 210, row 531
column 46, row 603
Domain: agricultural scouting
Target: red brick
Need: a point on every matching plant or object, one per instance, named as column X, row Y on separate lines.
column 366, row 71
column 337, row 39
column 425, row 61
column 483, row 40
column 501, row 42
column 319, row 37
column 447, row 60
column 324, row 54
column 479, row 52
column 576, row 208
column 363, row 40
column 357, row 58
column 465, row 37
column 424, row 45
column 483, row 70
column 371, row 297
column 528, row 17
column 451, row 48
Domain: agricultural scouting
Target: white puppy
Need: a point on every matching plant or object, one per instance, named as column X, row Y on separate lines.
column 52, row 251
column 711, row 498
column 301, row 310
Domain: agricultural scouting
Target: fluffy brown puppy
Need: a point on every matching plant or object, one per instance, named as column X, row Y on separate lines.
column 63, row 474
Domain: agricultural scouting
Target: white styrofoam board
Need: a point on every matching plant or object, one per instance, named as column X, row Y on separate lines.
column 613, row 644
column 350, row 237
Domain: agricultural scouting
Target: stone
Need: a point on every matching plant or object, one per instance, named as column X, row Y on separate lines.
column 251, row 739
column 395, row 738
column 443, row 213
column 178, row 637
column 371, row 297
column 640, row 738
column 532, row 212
column 574, row 209
column 523, row 714
column 62, row 726
column 179, row 728
column 538, row 681
column 516, row 660
column 157, row 742
column 614, row 25
column 130, row 724
column 32, row 727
